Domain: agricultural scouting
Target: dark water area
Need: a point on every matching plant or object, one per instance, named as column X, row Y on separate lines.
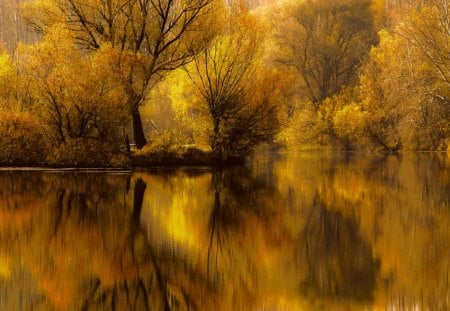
column 285, row 232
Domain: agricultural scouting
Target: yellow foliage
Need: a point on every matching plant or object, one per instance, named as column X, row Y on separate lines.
column 83, row 93
column 395, row 91
column 379, row 10
column 10, row 84
column 5, row 64
column 42, row 13
column 349, row 122
column 21, row 138
column 302, row 129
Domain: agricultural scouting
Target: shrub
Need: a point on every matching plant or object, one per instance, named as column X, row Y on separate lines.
column 161, row 155
column 21, row 139
column 86, row 153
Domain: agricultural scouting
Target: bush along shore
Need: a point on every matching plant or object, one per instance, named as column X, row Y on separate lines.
column 75, row 155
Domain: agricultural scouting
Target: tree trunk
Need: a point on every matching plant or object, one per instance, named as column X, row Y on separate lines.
column 139, row 191
column 138, row 129
column 215, row 144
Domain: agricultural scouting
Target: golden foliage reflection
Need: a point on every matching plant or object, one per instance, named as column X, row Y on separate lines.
column 297, row 232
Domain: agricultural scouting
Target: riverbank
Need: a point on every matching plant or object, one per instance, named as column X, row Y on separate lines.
column 185, row 156
column 180, row 157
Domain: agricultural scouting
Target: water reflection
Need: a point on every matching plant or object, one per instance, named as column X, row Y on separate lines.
column 340, row 261
column 291, row 232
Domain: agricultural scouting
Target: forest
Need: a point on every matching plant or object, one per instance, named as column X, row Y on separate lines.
column 119, row 83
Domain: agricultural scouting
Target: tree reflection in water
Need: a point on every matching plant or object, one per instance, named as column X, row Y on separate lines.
column 340, row 261
column 227, row 217
column 83, row 248
column 301, row 233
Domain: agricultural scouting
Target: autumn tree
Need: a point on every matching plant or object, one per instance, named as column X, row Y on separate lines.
column 20, row 129
column 236, row 95
column 428, row 29
column 404, row 87
column 325, row 41
column 158, row 36
column 8, row 80
column 389, row 13
column 78, row 96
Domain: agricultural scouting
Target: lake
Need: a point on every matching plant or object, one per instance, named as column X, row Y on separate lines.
column 285, row 232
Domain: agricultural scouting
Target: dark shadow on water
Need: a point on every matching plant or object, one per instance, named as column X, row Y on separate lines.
column 340, row 261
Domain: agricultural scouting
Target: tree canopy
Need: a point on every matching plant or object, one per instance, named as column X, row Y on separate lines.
column 226, row 76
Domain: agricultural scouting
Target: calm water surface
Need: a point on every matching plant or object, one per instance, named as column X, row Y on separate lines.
column 286, row 232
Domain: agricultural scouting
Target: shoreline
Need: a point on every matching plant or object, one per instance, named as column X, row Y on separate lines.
column 121, row 170
column 138, row 164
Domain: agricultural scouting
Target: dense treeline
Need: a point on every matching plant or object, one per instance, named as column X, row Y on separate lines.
column 373, row 74
column 209, row 80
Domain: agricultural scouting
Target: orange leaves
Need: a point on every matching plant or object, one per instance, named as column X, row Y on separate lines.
column 82, row 94
column 21, row 138
column 428, row 30
column 324, row 41
column 41, row 13
column 349, row 122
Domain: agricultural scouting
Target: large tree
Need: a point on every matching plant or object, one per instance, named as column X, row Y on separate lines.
column 405, row 85
column 325, row 41
column 78, row 95
column 428, row 29
column 238, row 96
column 154, row 36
